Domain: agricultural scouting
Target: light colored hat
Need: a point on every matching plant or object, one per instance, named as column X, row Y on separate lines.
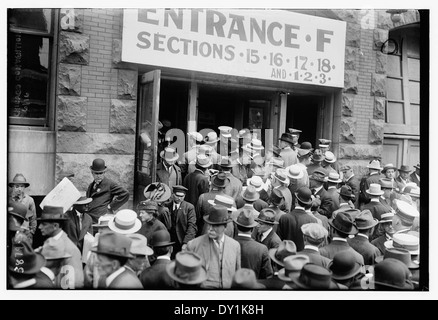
column 187, row 268
column 19, row 179
column 281, row 176
column 125, row 222
column 211, row 138
column 405, row 241
column 389, row 166
column 255, row 144
column 256, row 182
column 329, row 157
column 224, row 201
column 324, row 143
column 225, row 131
column 314, row 230
column 102, row 222
column 292, row 265
column 334, row 177
column 169, row 154
column 405, row 211
column 294, row 172
column 386, row 217
column 83, row 200
column 195, row 135
column 374, row 164
column 139, row 245
column 203, row 161
column 375, row 189
column 54, row 249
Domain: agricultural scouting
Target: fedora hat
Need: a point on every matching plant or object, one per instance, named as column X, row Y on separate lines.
column 27, row 261
column 287, row 137
column 125, row 221
column 346, row 191
column 344, row 265
column 405, row 211
column 267, row 216
column 54, row 249
column 329, row 157
column 160, row 238
column 386, row 183
column 317, row 155
column 294, row 172
column 344, row 223
column 169, row 154
column 303, row 152
column 114, row 244
column 203, row 161
column 102, row 222
column 245, row 218
column 187, row 268
column 245, row 278
column 223, row 200
column 220, row 180
column 217, row 215
column 404, row 241
column 314, row 230
column 17, row 209
column 286, row 248
column 157, row 191
column 19, row 179
column 392, row 274
column 413, row 192
column 374, row 164
column 98, row 165
column 334, row 177
column 250, row 194
column 225, row 131
column 404, row 168
column 281, row 176
column 364, row 220
column 388, row 166
column 292, row 265
column 52, row 213
column 195, row 136
column 276, row 197
column 255, row 144
column 314, row 276
column 304, row 195
column 227, row 162
column 374, row 189
column 386, row 217
column 400, row 254
column 324, row 143
column 256, row 182
column 83, row 200
column 211, row 138
column 139, row 245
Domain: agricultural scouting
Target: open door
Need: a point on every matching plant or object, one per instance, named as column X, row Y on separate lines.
column 147, row 132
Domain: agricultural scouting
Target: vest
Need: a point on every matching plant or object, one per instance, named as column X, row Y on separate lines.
column 214, row 268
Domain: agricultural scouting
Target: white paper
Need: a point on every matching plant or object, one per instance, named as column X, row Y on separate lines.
column 63, row 195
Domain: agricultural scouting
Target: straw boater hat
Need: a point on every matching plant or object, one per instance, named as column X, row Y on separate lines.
column 169, row 154
column 334, row 177
column 256, row 182
column 203, row 161
column 405, row 241
column 375, row 189
column 125, row 221
column 103, row 221
column 19, row 179
column 294, row 172
column 374, row 164
column 281, row 176
column 389, row 166
column 329, row 157
column 406, row 212
column 187, row 268
column 223, row 200
column 114, row 244
column 254, row 145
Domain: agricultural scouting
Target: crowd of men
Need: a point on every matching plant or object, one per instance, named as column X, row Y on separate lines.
column 227, row 214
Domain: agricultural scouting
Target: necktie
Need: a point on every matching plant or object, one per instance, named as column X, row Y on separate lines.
column 313, row 191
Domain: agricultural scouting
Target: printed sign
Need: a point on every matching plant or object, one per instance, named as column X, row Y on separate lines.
column 264, row 44
column 63, row 195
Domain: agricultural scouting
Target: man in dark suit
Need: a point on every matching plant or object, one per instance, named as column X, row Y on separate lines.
column 315, row 236
column 79, row 222
column 254, row 255
column 167, row 170
column 155, row 277
column 403, row 177
column 373, row 176
column 107, row 195
column 288, row 151
column 197, row 182
column 375, row 206
column 352, row 181
column 415, row 176
column 182, row 219
column 346, row 198
column 332, row 192
column 264, row 231
column 322, row 202
column 383, row 232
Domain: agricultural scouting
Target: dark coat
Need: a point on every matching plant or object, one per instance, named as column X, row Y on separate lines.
column 126, row 280
column 368, row 251
column 379, row 243
column 197, row 183
column 377, row 209
column 163, row 175
column 315, row 257
column 354, row 183
column 155, row 277
column 333, row 194
column 364, row 185
column 259, row 204
column 71, row 227
column 325, row 208
column 289, row 227
column 107, row 193
column 255, row 256
column 414, row 178
column 335, row 246
column 185, row 221
column 271, row 241
column 148, row 228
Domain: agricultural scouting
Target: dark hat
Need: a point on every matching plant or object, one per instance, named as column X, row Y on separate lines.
column 187, row 268
column 18, row 210
column 114, row 244
column 285, row 249
column 179, row 188
column 245, row 218
column 287, row 137
column 169, row 154
column 157, row 191
column 317, row 155
column 306, row 145
column 292, row 265
column 250, row 194
column 52, row 213
column 400, row 254
column 217, row 215
column 343, row 222
column 276, row 197
column 344, row 265
column 19, row 179
column 314, row 276
column 24, row 259
column 160, row 238
column 417, row 166
column 404, row 168
column 267, row 215
column 388, row 166
column 304, row 195
column 392, row 274
column 83, row 200
column 352, row 212
column 346, row 191
column 365, row 220
column 276, row 150
column 98, row 165
column 318, row 175
column 302, row 152
column 148, row 205
column 245, row 278
column 220, row 180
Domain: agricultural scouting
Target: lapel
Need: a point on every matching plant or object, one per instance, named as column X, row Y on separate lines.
column 86, row 223
column 99, row 189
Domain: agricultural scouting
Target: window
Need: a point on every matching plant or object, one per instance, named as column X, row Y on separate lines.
column 30, row 43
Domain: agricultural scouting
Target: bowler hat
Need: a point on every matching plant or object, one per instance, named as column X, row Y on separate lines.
column 334, row 177
column 187, row 268
column 24, row 259
column 388, row 166
column 211, row 138
column 139, row 245
column 223, row 200
column 392, row 274
column 217, row 215
column 276, row 197
column 285, row 249
column 267, row 215
column 404, row 168
column 405, row 241
column 220, row 180
column 365, row 220
column 374, row 164
column 343, row 222
column 294, row 172
column 292, row 265
column 256, row 182
column 346, row 191
column 400, row 254
column 98, row 165
column 52, row 213
column 317, row 155
column 157, row 191
column 374, row 189
column 245, row 218
column 313, row 276
column 245, row 278
column 114, row 244
column 83, row 200
column 250, row 194
column 304, row 195
column 169, row 154
column 103, row 221
column 54, row 249
column 314, row 230
column 160, row 238
column 19, row 179
column 125, row 221
column 287, row 137
column 18, row 210
column 329, row 157
column 344, row 265
column 306, row 145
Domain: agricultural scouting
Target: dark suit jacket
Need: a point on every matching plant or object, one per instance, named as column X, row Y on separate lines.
column 163, row 175
column 255, row 256
column 364, row 185
column 368, row 251
column 379, row 243
column 271, row 241
column 315, row 257
column 126, row 280
column 71, row 227
column 377, row 209
column 414, row 178
column 107, row 193
column 155, row 277
column 197, row 183
column 148, row 228
column 259, row 204
column 185, row 221
column 354, row 184
column 326, row 203
column 335, row 246
column 334, row 197
column 289, row 227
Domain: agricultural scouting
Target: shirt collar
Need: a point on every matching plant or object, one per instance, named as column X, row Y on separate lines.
column 332, row 187
column 266, row 233
column 165, row 257
column 319, row 188
column 114, row 275
column 246, row 235
column 58, row 236
column 299, row 207
column 309, row 246
column 48, row 272
column 339, row 239
column 374, row 200
column 363, row 235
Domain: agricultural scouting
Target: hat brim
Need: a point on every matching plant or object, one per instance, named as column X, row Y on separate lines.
column 374, row 223
column 110, row 253
column 353, row 231
column 168, row 159
column 296, row 279
column 232, row 209
column 351, row 274
column 86, row 201
column 18, row 216
column 206, row 165
column 407, row 286
column 334, row 181
column 272, row 253
column 411, row 264
column 389, row 245
column 211, row 142
column 97, row 171
column 145, row 251
column 66, row 255
column 170, row 270
column 295, row 177
column 215, row 222
column 266, row 222
column 374, row 194
column 40, row 262
column 134, row 229
column 11, row 184
column 99, row 225
column 282, row 275
column 252, row 225
column 162, row 244
column 52, row 219
column 387, row 168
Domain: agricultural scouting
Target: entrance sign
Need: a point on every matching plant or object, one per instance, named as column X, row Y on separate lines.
column 263, row 44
